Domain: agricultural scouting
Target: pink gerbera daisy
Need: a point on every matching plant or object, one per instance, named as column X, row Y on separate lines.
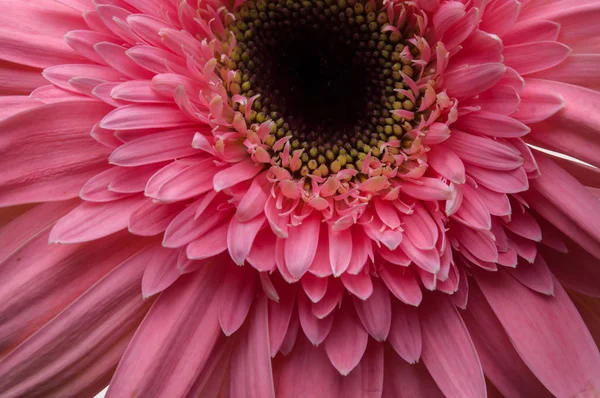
column 299, row 198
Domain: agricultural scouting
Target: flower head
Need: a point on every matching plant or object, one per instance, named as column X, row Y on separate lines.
column 299, row 198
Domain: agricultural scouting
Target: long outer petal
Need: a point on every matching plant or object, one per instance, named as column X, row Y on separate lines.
column 251, row 374
column 501, row 363
column 83, row 343
column 448, row 352
column 547, row 332
column 159, row 360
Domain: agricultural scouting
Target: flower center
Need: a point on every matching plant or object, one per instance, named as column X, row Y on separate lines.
column 331, row 76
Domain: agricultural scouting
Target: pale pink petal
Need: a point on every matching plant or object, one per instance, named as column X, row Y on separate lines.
column 153, row 218
column 447, row 163
column 235, row 174
column 142, row 116
column 483, row 151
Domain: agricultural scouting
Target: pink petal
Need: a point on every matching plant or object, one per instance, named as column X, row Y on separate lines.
column 308, row 372
column 470, row 81
column 161, row 270
column 577, row 118
column 535, row 276
column 576, row 69
column 447, row 163
column 500, row 362
column 347, row 341
column 578, row 270
column 492, row 124
column 367, row 378
column 181, row 329
column 262, row 254
column 427, row 189
column 512, row 181
column 500, row 16
column 235, row 174
column 301, row 246
column 280, row 315
column 405, row 333
column 538, row 102
column 402, row 283
column 547, row 332
column 25, row 227
column 136, row 116
column 315, row 329
column 29, row 174
column 235, row 297
column 407, row 381
column 153, row 148
column 314, row 287
column 576, row 203
column 100, row 321
column 448, row 351
column 240, row 237
column 208, row 245
column 153, row 218
column 483, row 151
column 375, row 313
column 360, row 284
column 254, row 200
column 333, row 297
column 251, row 374
column 428, row 260
column 340, row 250
column 91, row 221
column 534, row 57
